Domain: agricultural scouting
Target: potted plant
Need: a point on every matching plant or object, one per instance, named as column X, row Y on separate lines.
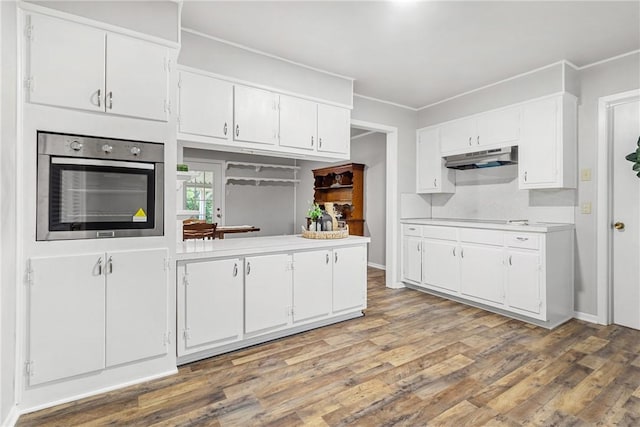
column 314, row 214
column 635, row 159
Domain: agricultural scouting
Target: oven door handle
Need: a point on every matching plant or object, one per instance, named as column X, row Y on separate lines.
column 97, row 162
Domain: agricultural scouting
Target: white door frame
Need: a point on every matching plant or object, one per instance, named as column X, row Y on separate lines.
column 392, row 248
column 605, row 203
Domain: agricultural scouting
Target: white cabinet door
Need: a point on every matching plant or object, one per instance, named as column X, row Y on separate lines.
column 432, row 176
column 137, row 78
column 458, row 136
column 136, row 305
column 499, row 128
column 349, row 278
column 312, row 275
column 66, row 317
column 538, row 152
column 334, row 129
column 212, row 304
column 298, row 123
column 524, row 280
column 66, row 64
column 267, row 292
column 255, row 115
column 440, row 264
column 205, row 105
column 482, row 272
column 412, row 259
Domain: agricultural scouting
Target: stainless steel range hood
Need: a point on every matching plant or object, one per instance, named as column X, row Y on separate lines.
column 483, row 159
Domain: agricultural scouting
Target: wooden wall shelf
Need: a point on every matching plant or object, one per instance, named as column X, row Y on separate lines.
column 344, row 186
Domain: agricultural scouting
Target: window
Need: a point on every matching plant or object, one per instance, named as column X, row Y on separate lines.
column 198, row 195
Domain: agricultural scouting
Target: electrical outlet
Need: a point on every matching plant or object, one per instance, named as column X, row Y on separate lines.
column 585, row 174
column 585, row 208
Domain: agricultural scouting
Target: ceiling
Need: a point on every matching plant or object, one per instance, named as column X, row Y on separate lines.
column 418, row 53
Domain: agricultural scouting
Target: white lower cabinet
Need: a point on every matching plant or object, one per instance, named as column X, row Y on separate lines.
column 87, row 312
column 267, row 287
column 211, row 293
column 349, row 278
column 525, row 275
column 311, row 285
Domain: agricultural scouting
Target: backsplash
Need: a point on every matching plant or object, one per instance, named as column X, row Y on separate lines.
column 493, row 193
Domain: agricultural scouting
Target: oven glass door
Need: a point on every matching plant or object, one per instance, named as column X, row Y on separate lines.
column 88, row 194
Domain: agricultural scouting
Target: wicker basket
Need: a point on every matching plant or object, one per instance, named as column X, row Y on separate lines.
column 337, row 234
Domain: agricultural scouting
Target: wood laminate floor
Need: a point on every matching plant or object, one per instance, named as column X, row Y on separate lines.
column 413, row 360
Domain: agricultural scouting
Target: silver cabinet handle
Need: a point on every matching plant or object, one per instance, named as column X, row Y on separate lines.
column 478, row 139
column 412, row 229
column 525, row 176
column 327, row 258
column 235, row 269
column 99, row 97
column 100, row 266
column 454, row 251
column 224, row 129
column 470, row 141
column 462, row 253
column 418, row 246
column 510, row 260
column 320, row 142
column 110, row 96
column 237, row 130
column 110, row 264
column 248, row 267
column 335, row 254
column 435, row 182
column 312, row 140
column 522, row 239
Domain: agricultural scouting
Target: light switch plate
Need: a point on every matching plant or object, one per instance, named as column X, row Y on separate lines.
column 585, row 208
column 585, row 174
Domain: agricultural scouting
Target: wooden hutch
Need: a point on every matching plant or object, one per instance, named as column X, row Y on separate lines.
column 342, row 185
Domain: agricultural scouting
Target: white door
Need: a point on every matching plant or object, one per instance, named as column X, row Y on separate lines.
column 205, row 105
column 334, row 129
column 66, row 64
column 255, row 115
column 349, row 278
column 205, row 191
column 499, row 128
column 267, row 292
column 538, row 150
column 66, row 316
column 412, row 259
column 137, row 78
column 212, row 310
column 298, row 123
column 137, row 305
column 482, row 272
column 523, row 280
column 440, row 264
column 312, row 275
column 626, row 211
column 458, row 136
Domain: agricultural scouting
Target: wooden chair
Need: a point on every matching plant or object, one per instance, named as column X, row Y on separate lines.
column 198, row 229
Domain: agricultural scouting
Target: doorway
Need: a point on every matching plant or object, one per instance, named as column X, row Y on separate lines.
column 204, row 193
column 618, row 211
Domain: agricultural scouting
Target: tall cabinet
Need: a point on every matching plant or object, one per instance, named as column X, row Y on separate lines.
column 343, row 186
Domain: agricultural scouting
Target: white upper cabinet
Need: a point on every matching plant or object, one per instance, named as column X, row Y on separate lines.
column 255, row 115
column 548, row 146
column 77, row 66
column 298, row 123
column 432, row 175
column 66, row 64
column 334, row 129
column 137, row 80
column 205, row 105
column 494, row 129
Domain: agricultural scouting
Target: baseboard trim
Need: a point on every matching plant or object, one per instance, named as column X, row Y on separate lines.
column 378, row 266
column 12, row 417
column 591, row 318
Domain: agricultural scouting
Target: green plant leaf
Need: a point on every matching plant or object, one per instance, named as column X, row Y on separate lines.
column 636, row 167
column 639, row 141
column 638, row 175
column 632, row 157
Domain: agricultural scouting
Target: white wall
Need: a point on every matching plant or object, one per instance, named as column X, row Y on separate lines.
column 157, row 18
column 7, row 207
column 269, row 206
column 370, row 150
column 227, row 60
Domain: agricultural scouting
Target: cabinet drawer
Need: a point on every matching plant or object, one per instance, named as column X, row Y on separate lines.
column 443, row 233
column 412, row 230
column 486, row 237
column 522, row 240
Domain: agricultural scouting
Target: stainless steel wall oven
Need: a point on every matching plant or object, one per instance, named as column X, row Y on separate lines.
column 92, row 187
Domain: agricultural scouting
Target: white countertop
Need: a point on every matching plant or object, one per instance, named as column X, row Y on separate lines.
column 536, row 227
column 198, row 248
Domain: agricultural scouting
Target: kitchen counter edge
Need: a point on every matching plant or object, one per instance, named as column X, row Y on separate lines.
column 537, row 227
